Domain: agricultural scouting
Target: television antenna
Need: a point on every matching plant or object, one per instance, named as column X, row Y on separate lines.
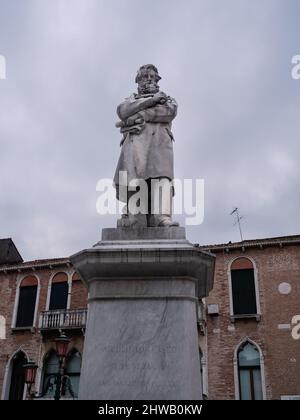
column 235, row 212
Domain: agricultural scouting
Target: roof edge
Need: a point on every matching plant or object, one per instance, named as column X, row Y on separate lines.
column 255, row 243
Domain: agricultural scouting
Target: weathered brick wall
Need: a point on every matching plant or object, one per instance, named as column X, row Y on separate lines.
column 281, row 352
column 33, row 343
column 79, row 294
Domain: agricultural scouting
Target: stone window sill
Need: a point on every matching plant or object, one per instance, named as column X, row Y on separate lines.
column 16, row 329
column 234, row 318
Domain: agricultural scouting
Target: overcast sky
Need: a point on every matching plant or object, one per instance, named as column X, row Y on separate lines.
column 71, row 62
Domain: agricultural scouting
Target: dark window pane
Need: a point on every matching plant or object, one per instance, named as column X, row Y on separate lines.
column 51, row 367
column 26, row 306
column 16, row 390
column 243, row 292
column 245, row 385
column 59, row 296
column 250, row 384
column 249, row 372
column 73, row 375
column 257, row 384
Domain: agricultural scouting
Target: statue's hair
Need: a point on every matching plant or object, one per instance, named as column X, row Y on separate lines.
column 144, row 69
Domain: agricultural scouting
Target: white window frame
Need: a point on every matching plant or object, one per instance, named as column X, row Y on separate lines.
column 69, row 280
column 17, row 296
column 7, row 375
column 256, row 285
column 236, row 368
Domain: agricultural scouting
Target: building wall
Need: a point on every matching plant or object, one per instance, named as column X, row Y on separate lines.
column 281, row 353
column 218, row 341
column 79, row 294
column 31, row 341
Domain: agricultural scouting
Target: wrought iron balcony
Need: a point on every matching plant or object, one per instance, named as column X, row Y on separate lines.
column 63, row 319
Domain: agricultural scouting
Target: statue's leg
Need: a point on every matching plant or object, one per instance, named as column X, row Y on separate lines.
column 131, row 220
column 160, row 203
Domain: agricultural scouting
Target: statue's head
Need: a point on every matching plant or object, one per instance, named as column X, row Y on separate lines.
column 147, row 78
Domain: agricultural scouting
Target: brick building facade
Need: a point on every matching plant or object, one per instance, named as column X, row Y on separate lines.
column 275, row 264
column 35, row 340
column 248, row 326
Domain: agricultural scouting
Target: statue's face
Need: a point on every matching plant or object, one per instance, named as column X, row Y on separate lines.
column 147, row 82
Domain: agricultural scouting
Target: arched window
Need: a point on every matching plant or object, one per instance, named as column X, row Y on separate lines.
column 16, row 390
column 243, row 287
column 72, row 371
column 250, row 383
column 51, row 366
column 27, row 302
column 59, row 292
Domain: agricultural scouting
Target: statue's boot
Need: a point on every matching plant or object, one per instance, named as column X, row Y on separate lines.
column 132, row 220
column 161, row 220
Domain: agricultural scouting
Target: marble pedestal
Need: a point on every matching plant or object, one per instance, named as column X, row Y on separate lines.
column 141, row 338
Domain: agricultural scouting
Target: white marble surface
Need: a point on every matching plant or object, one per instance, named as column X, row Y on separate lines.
column 141, row 339
column 141, row 350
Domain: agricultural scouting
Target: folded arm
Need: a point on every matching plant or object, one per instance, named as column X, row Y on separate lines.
column 132, row 106
column 160, row 113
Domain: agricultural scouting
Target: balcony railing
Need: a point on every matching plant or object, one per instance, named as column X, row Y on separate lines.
column 63, row 319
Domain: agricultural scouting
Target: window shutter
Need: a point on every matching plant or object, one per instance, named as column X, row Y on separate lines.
column 26, row 307
column 243, row 292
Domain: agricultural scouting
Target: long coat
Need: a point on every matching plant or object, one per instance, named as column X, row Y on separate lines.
column 147, row 147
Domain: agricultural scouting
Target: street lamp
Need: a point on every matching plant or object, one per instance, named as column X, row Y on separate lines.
column 30, row 369
column 62, row 343
column 61, row 380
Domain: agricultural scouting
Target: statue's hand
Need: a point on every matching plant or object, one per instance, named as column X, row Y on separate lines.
column 130, row 120
column 160, row 98
column 134, row 119
column 120, row 124
column 139, row 120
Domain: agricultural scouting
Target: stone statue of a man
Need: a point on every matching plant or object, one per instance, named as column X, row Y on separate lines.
column 147, row 152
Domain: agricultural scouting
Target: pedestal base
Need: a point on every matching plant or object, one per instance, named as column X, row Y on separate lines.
column 141, row 340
